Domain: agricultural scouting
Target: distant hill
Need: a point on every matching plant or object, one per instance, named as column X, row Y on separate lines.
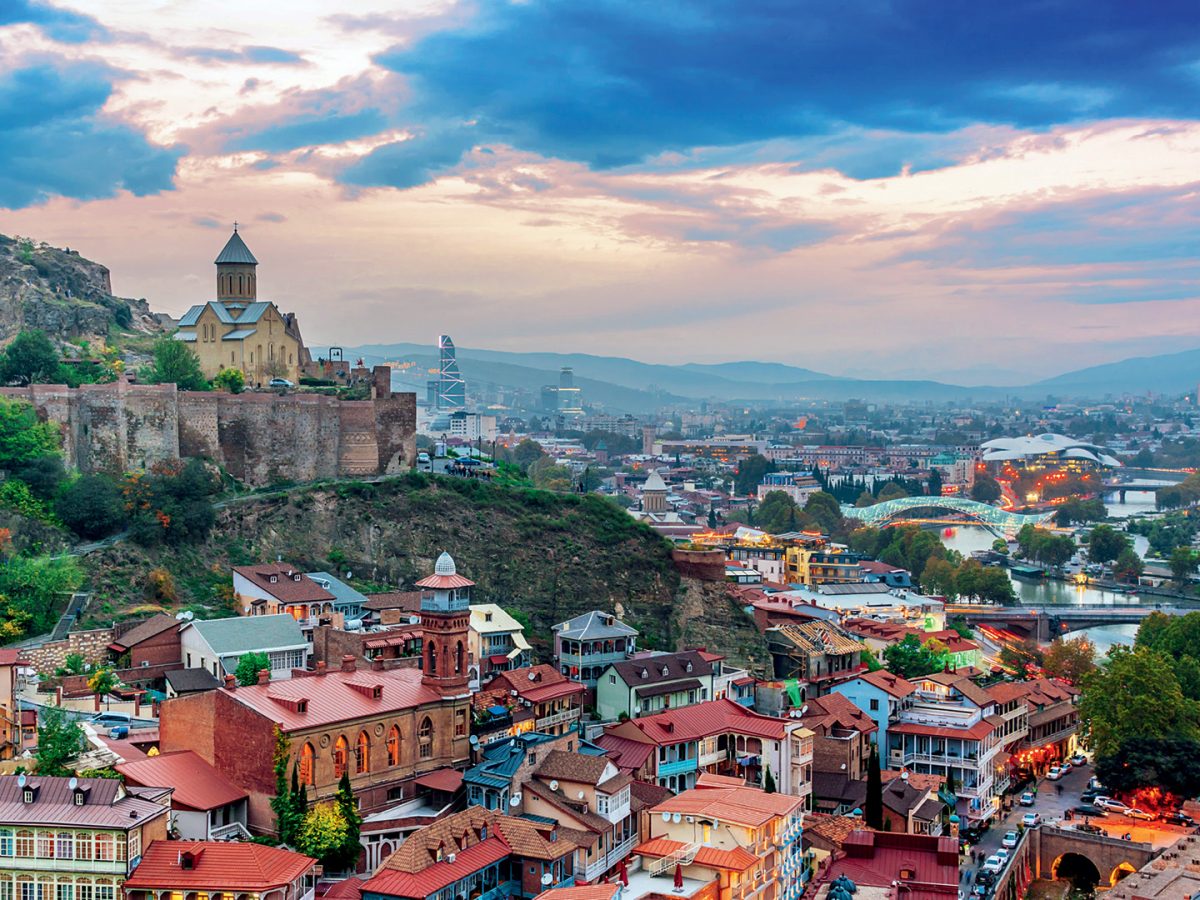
column 1170, row 373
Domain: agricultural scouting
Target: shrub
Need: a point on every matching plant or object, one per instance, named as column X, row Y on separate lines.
column 92, row 507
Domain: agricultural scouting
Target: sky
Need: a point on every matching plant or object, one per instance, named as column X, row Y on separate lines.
column 976, row 192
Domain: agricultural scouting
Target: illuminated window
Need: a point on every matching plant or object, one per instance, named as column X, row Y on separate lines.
column 341, row 757
column 362, row 754
column 460, row 723
column 307, row 761
column 393, row 746
column 105, row 847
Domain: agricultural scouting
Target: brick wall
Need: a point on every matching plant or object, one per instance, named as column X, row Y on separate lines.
column 92, row 645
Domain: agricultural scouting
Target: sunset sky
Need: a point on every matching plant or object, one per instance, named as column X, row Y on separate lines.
column 979, row 191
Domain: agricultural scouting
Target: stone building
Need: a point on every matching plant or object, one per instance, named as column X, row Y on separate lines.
column 237, row 330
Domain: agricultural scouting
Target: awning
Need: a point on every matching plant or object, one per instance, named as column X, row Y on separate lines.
column 448, row 780
column 498, row 660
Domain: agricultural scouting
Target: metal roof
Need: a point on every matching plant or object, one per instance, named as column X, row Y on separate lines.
column 594, row 625
column 343, row 594
column 244, row 634
column 239, row 335
column 235, row 252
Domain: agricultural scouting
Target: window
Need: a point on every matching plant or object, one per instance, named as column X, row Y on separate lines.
column 83, row 889
column 6, row 842
column 874, row 705
column 341, row 757
column 362, row 753
column 135, row 844
column 45, row 845
column 64, row 890
column 308, row 758
column 460, row 723
column 105, row 847
column 6, row 887
column 602, row 804
column 83, row 845
column 65, row 845
column 612, row 679
column 425, row 738
column 393, row 746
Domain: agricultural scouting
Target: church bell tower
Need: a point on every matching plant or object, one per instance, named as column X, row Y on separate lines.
column 236, row 265
column 445, row 620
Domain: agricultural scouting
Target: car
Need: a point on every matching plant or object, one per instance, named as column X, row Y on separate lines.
column 1088, row 809
column 1111, row 805
column 118, row 732
column 111, row 719
column 1136, row 813
column 1004, row 854
column 1010, row 839
column 423, row 457
column 1180, row 818
column 280, row 383
column 993, row 863
column 1027, row 799
column 1031, row 820
column 1078, row 759
column 1065, row 765
column 1088, row 828
column 1089, row 796
column 981, row 890
column 1055, row 773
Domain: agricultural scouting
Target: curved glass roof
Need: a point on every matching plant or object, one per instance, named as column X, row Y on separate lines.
column 991, row 516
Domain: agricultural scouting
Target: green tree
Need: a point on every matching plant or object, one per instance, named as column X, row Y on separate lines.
column 30, row 359
column 526, row 453
column 323, row 834
column 826, row 510
column 73, row 664
column 250, row 665
column 1071, row 660
column 92, row 506
column 1000, row 545
column 177, row 363
column 282, row 804
column 344, row 798
column 986, row 489
column 873, row 813
column 750, row 472
column 909, row 658
column 172, row 504
column 1135, row 694
column 938, row 579
column 769, row 782
column 1183, row 564
column 1105, row 544
column 1168, row 764
column 1128, row 565
column 103, row 682
column 60, row 740
column 232, row 381
column 892, row 491
column 934, row 484
column 22, row 437
column 1022, row 657
column 33, row 591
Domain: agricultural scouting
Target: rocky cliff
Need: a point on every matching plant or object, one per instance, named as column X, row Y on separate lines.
column 548, row 555
column 61, row 293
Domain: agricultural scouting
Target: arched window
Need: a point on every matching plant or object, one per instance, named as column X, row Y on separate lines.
column 25, row 842
column 458, row 658
column 393, row 746
column 431, row 660
column 341, row 757
column 308, row 758
column 105, row 847
column 241, row 284
column 425, row 738
column 362, row 754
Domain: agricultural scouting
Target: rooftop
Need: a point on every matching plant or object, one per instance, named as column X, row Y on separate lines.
column 143, row 631
column 649, row 670
column 592, row 626
column 747, row 806
column 227, row 865
column 197, row 784
column 290, row 584
column 106, row 803
column 243, row 634
column 693, row 722
column 235, row 252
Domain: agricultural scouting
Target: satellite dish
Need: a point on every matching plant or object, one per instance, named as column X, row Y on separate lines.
column 666, row 816
column 73, row 783
column 513, row 801
column 474, row 739
column 581, row 795
column 21, row 780
column 349, row 574
column 904, row 776
column 546, row 879
column 676, row 818
column 554, row 784
column 532, row 676
column 804, row 709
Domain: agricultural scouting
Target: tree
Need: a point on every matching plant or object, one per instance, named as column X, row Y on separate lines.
column 103, row 682
column 769, row 782
column 750, row 472
column 934, row 484
column 30, row 359
column 323, row 834
column 1071, row 660
column 526, row 453
column 892, row 491
column 283, row 804
column 344, row 798
column 1000, row 545
column 1128, row 565
column 1183, row 564
column 1135, row 694
column 826, row 510
column 91, row 506
column 73, row 664
column 873, row 813
column 231, row 380
column 1022, row 657
column 909, row 658
column 1168, row 764
column 986, row 489
column 938, row 579
column 22, row 437
column 60, row 740
column 250, row 665
column 172, row 504
column 177, row 363
column 1105, row 544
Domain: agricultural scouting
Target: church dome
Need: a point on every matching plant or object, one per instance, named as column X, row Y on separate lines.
column 445, row 565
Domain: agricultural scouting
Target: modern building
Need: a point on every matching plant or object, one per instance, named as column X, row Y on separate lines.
column 589, row 643
column 205, row 805
column 239, row 331
column 813, row 565
column 649, row 684
column 218, row 645
column 74, row 837
column 799, row 486
column 222, row 869
column 449, row 391
column 496, row 642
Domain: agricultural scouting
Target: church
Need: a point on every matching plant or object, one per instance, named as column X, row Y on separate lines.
column 239, row 331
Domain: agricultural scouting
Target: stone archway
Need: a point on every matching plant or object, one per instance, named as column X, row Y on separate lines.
column 1077, row 868
column 1119, row 872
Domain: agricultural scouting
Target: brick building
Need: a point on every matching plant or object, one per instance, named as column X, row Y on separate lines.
column 150, row 644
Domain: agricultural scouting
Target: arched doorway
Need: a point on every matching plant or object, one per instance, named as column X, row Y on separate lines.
column 1077, row 869
column 1120, row 872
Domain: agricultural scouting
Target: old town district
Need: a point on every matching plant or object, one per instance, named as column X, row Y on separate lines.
column 416, row 737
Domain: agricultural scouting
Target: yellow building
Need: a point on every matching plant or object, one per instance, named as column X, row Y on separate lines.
column 812, row 566
column 239, row 331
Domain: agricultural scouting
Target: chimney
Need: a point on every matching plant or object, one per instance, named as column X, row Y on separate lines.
column 264, row 676
column 231, row 682
column 320, row 667
column 348, row 664
column 377, row 664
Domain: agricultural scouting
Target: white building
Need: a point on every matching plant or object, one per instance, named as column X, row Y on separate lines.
column 217, row 645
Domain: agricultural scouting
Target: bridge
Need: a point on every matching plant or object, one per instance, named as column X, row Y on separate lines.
column 1046, row 622
column 1000, row 522
column 1041, row 853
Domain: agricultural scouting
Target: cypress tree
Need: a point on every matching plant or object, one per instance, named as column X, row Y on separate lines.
column 874, row 810
column 769, row 782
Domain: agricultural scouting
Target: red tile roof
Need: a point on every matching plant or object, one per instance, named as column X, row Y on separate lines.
column 744, row 805
column 437, row 875
column 335, row 696
column 889, row 683
column 737, row 859
column 547, row 684
column 581, row 892
column 712, row 780
column 445, row 582
column 689, row 723
column 217, row 865
column 877, row 859
column 143, row 631
column 286, row 588
column 9, row 657
column 197, row 784
column 836, row 711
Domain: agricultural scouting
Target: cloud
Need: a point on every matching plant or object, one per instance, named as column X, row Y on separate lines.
column 54, row 138
column 310, row 129
column 410, row 163
column 58, row 24
column 254, row 55
column 616, row 82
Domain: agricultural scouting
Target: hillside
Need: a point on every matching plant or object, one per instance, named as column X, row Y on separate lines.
column 549, row 555
column 63, row 294
column 1169, row 373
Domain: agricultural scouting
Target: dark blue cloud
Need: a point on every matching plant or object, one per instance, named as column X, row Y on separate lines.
column 58, row 24
column 410, row 163
column 616, row 82
column 256, row 55
column 308, row 129
column 55, row 141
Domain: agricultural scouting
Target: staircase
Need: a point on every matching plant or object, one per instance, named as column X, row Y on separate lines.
column 683, row 856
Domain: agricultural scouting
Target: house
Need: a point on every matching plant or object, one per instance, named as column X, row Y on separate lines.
column 538, row 698
column 880, row 694
column 1053, row 723
column 11, row 731
column 842, row 735
column 739, row 840
column 393, row 608
column 882, row 573
column 476, row 853
column 506, row 765
column 913, row 803
column 217, row 645
column 190, row 681
column 220, row 868
column 814, row 565
column 273, row 588
column 385, row 728
column 347, row 602
column 815, row 652
column 497, row 642
column 151, row 646
column 894, row 865
column 204, row 806
column 97, row 823
column 720, row 737
column 649, row 684
column 589, row 643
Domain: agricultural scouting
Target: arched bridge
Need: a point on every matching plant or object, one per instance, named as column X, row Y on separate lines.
column 999, row 521
column 1111, row 857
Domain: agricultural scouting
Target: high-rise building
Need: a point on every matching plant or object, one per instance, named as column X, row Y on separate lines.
column 570, row 397
column 449, row 391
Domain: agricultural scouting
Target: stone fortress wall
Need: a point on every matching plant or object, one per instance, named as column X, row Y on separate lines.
column 259, row 438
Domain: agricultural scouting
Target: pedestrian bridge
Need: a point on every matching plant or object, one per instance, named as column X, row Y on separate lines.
column 999, row 521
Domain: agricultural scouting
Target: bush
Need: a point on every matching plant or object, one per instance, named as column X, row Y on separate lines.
column 172, row 504
column 92, row 507
column 17, row 496
column 231, row 380
column 176, row 362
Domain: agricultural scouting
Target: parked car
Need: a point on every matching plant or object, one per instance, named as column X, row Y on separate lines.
column 1089, row 796
column 1065, row 766
column 280, row 383
column 1027, row 799
column 119, row 732
column 1136, row 813
column 1110, row 804
column 993, row 863
column 1180, row 818
column 1010, row 839
column 1031, row 820
column 1088, row 828
column 1088, row 809
column 110, row 719
column 1055, row 773
column 1004, row 854
column 1078, row 759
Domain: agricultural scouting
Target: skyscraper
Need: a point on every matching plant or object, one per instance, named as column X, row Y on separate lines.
column 449, row 391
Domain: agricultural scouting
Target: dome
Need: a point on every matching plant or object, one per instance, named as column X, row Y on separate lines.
column 445, row 565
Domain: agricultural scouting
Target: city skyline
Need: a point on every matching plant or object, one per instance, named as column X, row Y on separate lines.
column 704, row 182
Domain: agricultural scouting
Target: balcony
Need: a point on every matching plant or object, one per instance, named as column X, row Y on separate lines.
column 676, row 767
column 610, row 859
column 94, row 866
column 566, row 715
